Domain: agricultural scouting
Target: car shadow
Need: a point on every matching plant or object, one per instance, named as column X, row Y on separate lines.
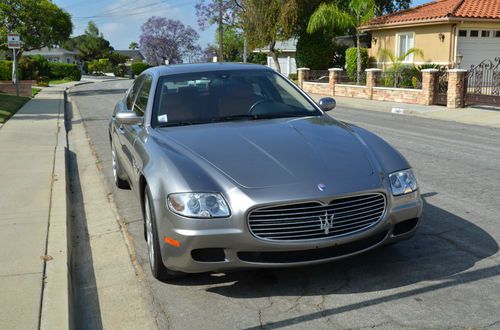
column 93, row 92
column 445, row 246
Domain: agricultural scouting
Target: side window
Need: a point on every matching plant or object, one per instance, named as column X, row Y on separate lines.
column 133, row 92
column 142, row 98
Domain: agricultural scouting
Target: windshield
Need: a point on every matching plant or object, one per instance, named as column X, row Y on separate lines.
column 205, row 97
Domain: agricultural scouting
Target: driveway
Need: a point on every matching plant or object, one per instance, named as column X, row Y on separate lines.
column 448, row 275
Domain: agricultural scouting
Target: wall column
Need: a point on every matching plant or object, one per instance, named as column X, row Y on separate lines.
column 371, row 80
column 429, row 80
column 456, row 88
column 302, row 75
column 333, row 77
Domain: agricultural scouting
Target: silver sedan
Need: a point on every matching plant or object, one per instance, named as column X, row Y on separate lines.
column 236, row 167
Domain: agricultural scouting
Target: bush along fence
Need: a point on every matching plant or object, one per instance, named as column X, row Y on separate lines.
column 419, row 88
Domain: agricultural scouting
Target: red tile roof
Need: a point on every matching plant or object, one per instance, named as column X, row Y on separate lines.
column 442, row 9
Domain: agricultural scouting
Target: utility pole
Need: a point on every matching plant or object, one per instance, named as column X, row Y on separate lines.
column 221, row 32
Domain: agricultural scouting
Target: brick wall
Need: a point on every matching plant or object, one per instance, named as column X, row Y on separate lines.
column 422, row 96
column 7, row 87
column 361, row 92
column 316, row 88
column 412, row 96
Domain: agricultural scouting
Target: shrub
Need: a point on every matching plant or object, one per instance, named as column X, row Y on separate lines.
column 5, row 70
column 402, row 76
column 351, row 61
column 257, row 58
column 63, row 70
column 120, row 70
column 293, row 76
column 138, row 67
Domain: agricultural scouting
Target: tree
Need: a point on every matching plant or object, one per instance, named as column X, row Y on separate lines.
column 267, row 21
column 330, row 16
column 166, row 39
column 91, row 44
column 220, row 12
column 133, row 45
column 39, row 22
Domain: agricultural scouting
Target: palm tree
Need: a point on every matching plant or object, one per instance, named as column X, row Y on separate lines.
column 396, row 61
column 330, row 16
column 133, row 45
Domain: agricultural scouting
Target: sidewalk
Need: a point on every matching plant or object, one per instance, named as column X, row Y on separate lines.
column 469, row 115
column 33, row 259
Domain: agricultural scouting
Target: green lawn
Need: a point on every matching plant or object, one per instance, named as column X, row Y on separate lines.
column 59, row 81
column 9, row 104
column 35, row 91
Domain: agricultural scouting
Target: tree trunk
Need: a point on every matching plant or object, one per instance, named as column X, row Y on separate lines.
column 221, row 33
column 245, row 49
column 358, row 58
column 274, row 56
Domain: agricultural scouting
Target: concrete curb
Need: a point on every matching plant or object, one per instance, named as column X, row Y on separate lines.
column 54, row 313
column 122, row 305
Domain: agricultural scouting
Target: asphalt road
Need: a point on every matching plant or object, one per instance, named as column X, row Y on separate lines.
column 448, row 275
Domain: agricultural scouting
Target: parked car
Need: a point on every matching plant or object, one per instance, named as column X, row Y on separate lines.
column 236, row 167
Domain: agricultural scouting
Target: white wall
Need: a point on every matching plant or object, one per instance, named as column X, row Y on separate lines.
column 287, row 63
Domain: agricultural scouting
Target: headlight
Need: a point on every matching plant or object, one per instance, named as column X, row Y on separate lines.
column 198, row 205
column 403, row 182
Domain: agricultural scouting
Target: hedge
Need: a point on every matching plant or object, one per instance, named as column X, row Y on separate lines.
column 63, row 70
column 138, row 67
column 5, row 70
column 351, row 61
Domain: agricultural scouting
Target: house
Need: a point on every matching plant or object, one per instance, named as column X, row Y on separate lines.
column 455, row 33
column 286, row 56
column 60, row 55
column 133, row 55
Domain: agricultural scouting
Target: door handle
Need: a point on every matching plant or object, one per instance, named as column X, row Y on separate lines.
column 120, row 129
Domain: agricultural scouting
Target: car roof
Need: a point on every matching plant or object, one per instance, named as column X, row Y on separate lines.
column 165, row 70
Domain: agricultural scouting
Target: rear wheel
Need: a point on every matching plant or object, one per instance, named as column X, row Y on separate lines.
column 118, row 174
column 158, row 269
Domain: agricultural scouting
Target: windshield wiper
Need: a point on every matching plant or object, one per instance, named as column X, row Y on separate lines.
column 175, row 123
column 233, row 117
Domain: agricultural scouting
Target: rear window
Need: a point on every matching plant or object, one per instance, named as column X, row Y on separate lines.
column 208, row 96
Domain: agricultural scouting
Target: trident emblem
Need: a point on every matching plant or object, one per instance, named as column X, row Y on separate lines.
column 326, row 222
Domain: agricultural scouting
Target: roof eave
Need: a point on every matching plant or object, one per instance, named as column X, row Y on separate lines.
column 432, row 21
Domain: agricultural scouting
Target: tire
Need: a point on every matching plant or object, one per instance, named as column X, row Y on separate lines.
column 118, row 176
column 158, row 269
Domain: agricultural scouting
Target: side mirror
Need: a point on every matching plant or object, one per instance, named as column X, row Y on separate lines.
column 327, row 103
column 128, row 118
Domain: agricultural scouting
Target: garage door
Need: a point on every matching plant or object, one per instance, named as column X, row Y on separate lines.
column 476, row 45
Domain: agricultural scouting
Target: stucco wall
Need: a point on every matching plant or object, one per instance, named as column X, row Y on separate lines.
column 425, row 37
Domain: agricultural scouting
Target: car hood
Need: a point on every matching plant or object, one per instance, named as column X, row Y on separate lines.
column 265, row 153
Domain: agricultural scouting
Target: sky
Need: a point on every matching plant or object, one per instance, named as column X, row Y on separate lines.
column 120, row 20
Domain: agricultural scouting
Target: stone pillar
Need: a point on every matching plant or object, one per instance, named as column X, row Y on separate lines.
column 371, row 80
column 333, row 77
column 302, row 75
column 429, row 80
column 456, row 86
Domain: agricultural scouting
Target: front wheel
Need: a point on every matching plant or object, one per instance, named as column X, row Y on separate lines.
column 118, row 176
column 158, row 269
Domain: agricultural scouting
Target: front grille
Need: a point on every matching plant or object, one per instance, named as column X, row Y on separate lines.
column 313, row 220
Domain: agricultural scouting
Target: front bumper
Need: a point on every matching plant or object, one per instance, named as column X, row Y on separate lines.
column 223, row 244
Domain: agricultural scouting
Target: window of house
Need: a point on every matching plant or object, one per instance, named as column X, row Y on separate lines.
column 404, row 43
column 462, row 33
column 485, row 34
column 474, row 33
column 497, row 34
